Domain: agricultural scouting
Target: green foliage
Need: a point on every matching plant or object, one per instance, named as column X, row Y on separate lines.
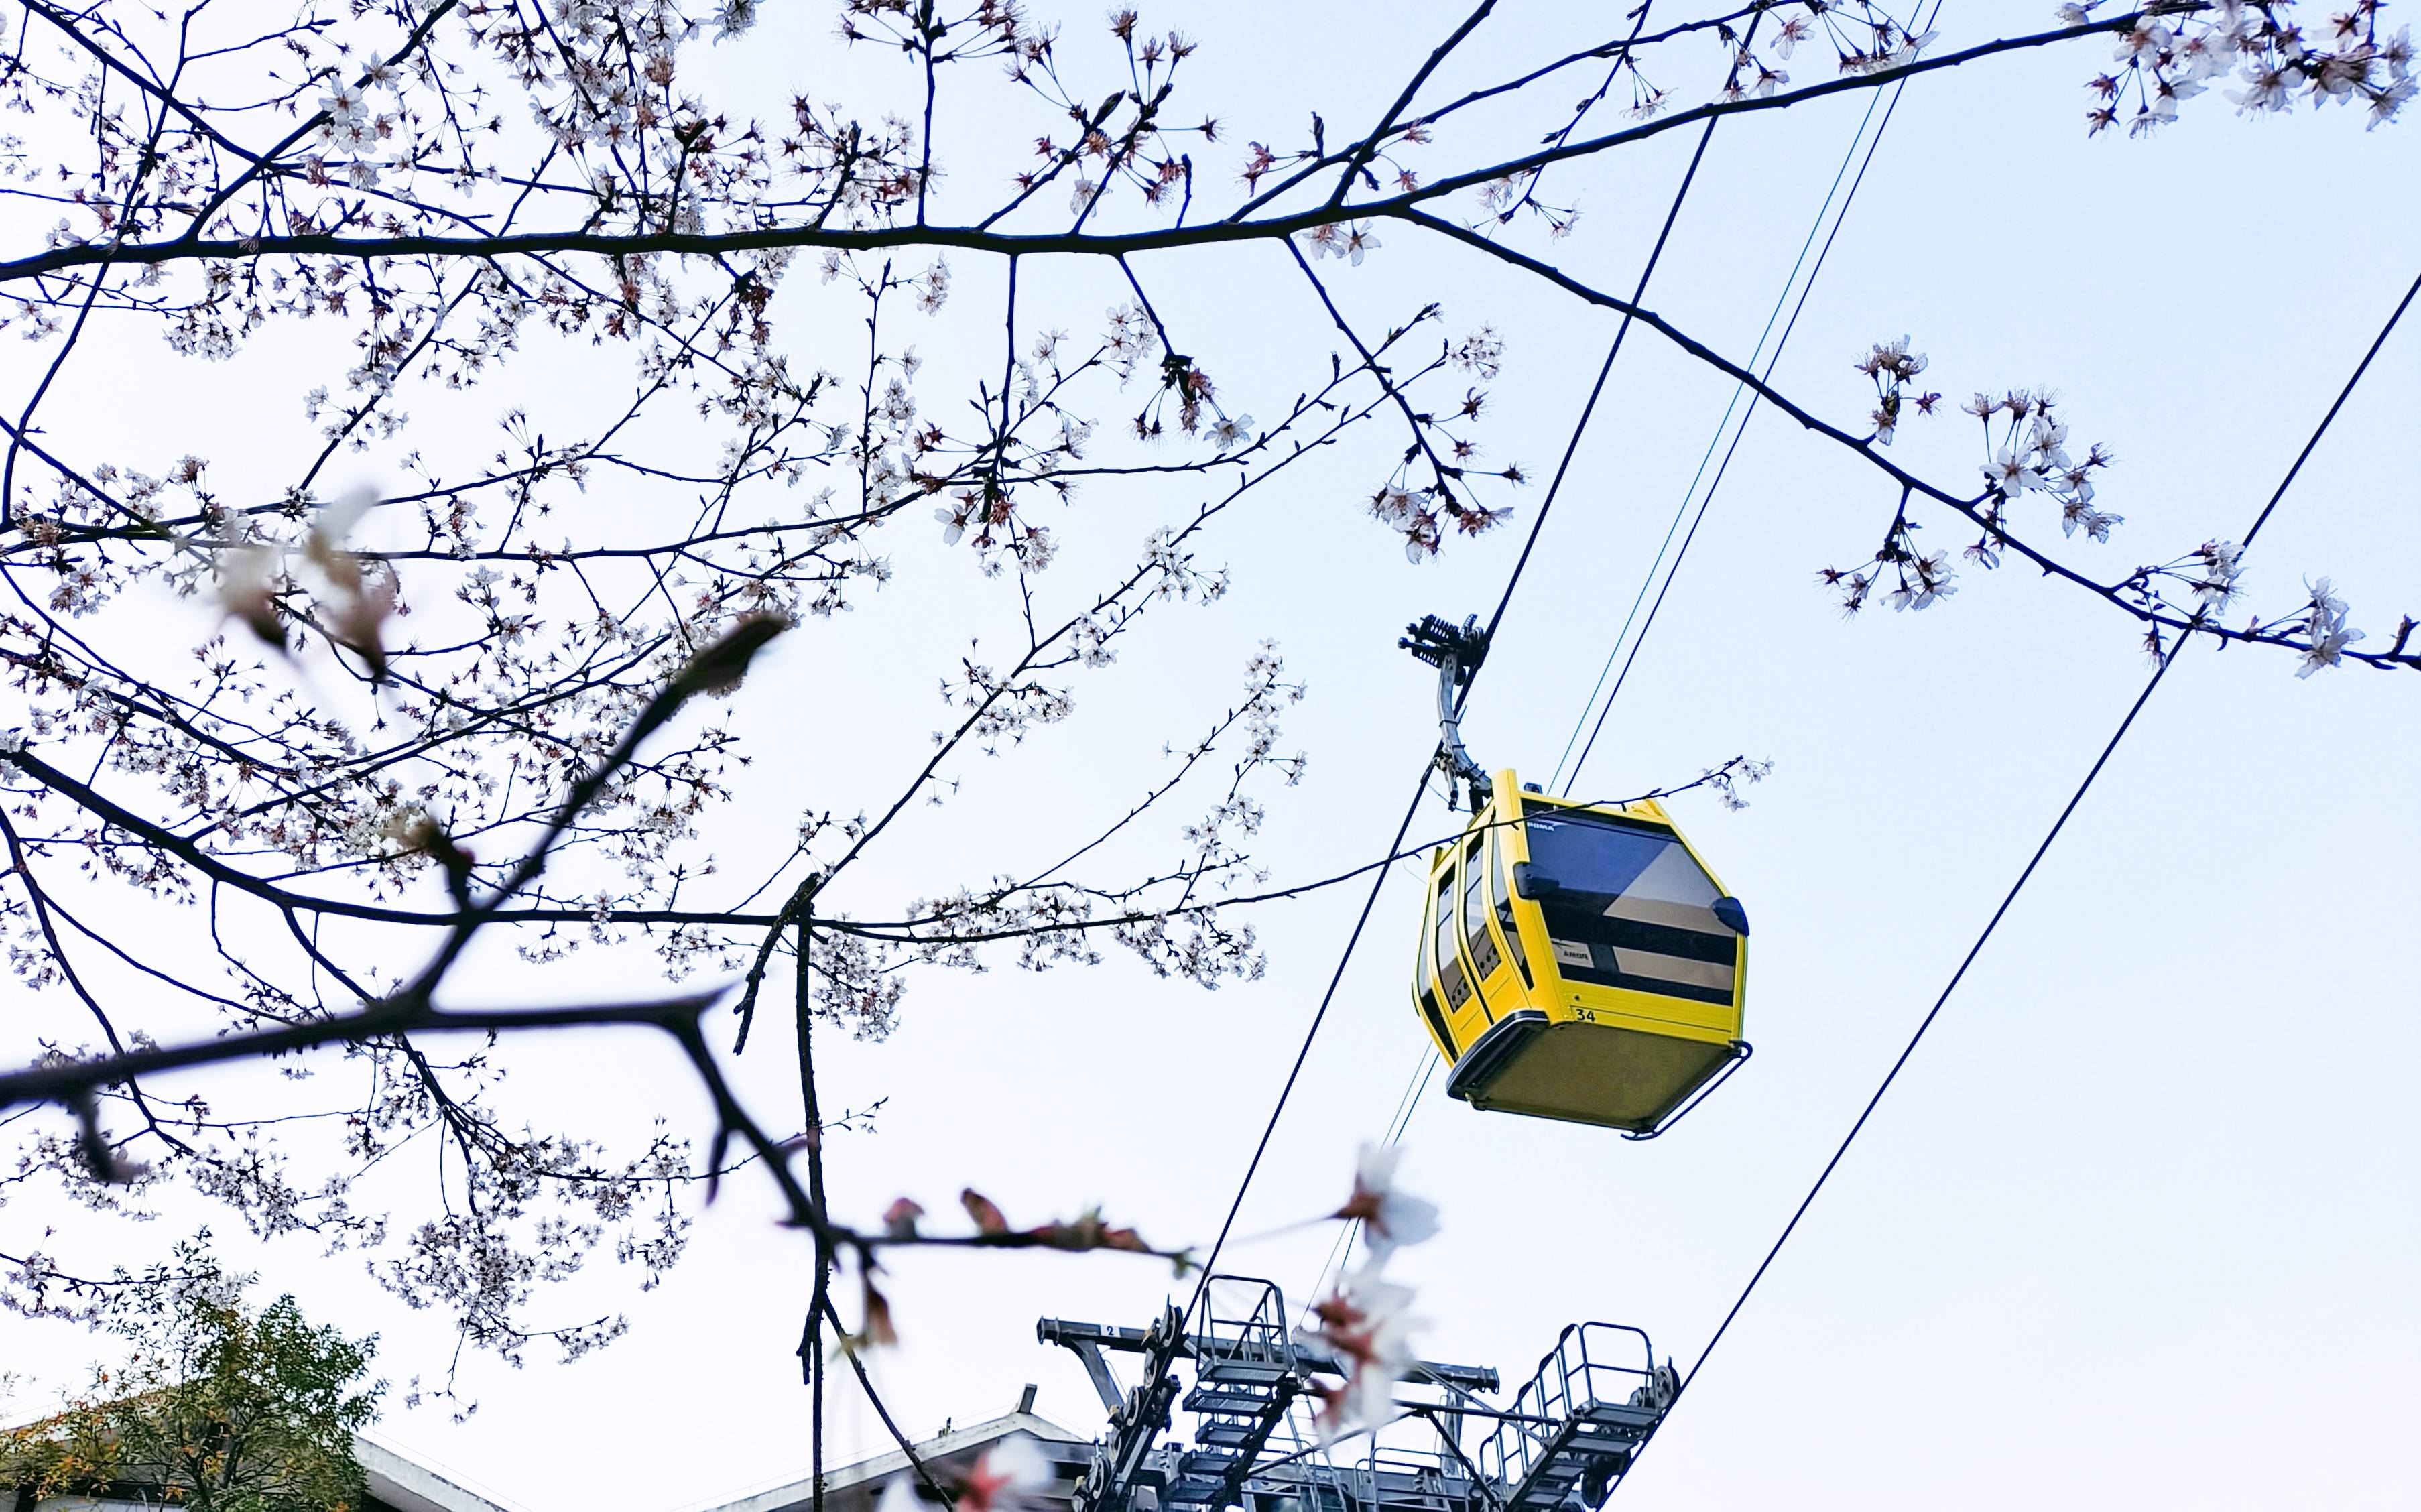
column 216, row 1409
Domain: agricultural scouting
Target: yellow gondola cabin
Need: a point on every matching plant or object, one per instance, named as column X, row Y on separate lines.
column 1579, row 961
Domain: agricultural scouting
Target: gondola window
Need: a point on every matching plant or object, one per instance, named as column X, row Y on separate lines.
column 1484, row 959
column 1450, row 959
column 1497, row 868
column 1629, row 907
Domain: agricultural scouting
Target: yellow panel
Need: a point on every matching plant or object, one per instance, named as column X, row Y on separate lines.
column 1595, row 1074
column 1613, row 1056
column 1563, row 1000
column 1648, row 1013
column 1477, row 1014
column 1425, row 978
column 1503, row 988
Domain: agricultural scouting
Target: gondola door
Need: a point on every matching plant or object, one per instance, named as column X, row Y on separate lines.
column 1427, row 991
column 1502, row 852
column 1492, row 965
column 1459, row 977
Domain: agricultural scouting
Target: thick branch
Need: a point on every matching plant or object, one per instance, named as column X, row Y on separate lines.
column 1970, row 509
column 975, row 239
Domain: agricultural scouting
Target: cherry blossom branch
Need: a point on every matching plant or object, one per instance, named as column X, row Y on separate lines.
column 1403, row 206
column 1357, row 157
column 911, row 930
column 65, row 1081
column 1976, row 508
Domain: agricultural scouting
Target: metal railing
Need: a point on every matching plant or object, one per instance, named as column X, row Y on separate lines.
column 1580, row 1373
column 1258, row 1334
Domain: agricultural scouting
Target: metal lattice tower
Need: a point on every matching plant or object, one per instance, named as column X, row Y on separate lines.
column 1244, row 1381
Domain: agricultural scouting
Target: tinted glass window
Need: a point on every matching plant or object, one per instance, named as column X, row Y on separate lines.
column 1484, row 959
column 1426, row 998
column 1496, row 890
column 1450, row 961
column 1629, row 907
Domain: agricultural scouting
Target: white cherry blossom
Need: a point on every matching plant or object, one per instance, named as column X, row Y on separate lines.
column 1366, row 1324
column 2324, row 625
column 2014, row 471
column 2387, row 101
column 2144, row 46
column 1390, row 1218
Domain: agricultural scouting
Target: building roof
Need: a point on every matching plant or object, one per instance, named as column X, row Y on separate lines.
column 948, row 1455
column 396, row 1481
column 400, row 1482
column 403, row 1483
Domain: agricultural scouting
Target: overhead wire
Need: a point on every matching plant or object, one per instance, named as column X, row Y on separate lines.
column 2168, row 659
column 1428, row 1065
column 1342, row 1249
column 1708, row 499
column 1496, row 621
column 1648, row 579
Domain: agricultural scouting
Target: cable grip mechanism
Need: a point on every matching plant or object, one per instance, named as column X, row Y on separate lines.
column 1456, row 652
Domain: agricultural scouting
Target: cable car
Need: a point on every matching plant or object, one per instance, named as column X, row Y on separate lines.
column 1576, row 960
column 1579, row 961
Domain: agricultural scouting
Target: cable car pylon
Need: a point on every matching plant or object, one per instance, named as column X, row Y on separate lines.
column 1567, row 1438
column 1575, row 961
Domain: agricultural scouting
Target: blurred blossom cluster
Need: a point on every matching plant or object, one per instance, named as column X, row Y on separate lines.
column 1365, row 1322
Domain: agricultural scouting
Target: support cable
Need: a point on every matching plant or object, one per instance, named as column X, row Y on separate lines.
column 1514, row 581
column 1708, row 499
column 1580, row 427
column 1342, row 1250
column 2168, row 659
column 1648, row 578
column 1419, row 1082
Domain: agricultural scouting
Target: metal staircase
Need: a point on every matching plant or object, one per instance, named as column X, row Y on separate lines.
column 1246, row 1374
column 1565, row 1440
column 1572, row 1429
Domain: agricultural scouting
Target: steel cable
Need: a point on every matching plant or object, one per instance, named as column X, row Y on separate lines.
column 1419, row 1080
column 1708, row 499
column 2168, row 659
column 1580, row 427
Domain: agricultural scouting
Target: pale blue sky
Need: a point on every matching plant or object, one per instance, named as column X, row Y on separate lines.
column 2139, row 1223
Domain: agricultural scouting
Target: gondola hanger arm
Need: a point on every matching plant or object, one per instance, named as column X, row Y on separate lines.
column 1456, row 652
